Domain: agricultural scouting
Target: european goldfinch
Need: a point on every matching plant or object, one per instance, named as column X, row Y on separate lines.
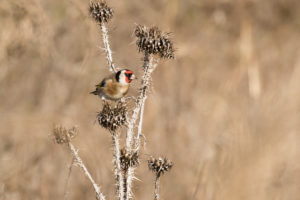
column 115, row 86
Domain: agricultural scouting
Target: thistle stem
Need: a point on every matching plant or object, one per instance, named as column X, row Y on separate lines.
column 78, row 162
column 152, row 67
column 107, row 48
column 138, row 113
column 140, row 100
column 156, row 190
column 117, row 163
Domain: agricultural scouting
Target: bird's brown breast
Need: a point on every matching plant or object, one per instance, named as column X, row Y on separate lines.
column 115, row 90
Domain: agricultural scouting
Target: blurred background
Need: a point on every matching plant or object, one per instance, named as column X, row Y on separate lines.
column 226, row 110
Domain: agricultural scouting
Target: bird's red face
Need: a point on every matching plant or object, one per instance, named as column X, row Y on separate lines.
column 129, row 76
column 124, row 76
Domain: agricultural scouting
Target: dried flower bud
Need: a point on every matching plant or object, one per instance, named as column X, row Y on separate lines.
column 153, row 41
column 112, row 118
column 129, row 159
column 159, row 165
column 63, row 135
column 100, row 11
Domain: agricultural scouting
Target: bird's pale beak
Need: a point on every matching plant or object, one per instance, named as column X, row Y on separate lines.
column 132, row 77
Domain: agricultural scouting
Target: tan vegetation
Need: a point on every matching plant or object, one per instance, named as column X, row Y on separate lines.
column 226, row 110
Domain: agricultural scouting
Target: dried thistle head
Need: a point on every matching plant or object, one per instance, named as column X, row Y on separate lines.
column 100, row 11
column 153, row 41
column 112, row 118
column 159, row 165
column 63, row 135
column 129, row 159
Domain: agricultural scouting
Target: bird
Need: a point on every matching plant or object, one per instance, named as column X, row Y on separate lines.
column 115, row 86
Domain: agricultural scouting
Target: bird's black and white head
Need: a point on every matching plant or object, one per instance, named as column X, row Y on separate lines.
column 125, row 76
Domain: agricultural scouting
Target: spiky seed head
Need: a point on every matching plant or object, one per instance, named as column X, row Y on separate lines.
column 129, row 159
column 111, row 117
column 100, row 11
column 153, row 41
column 63, row 135
column 159, row 165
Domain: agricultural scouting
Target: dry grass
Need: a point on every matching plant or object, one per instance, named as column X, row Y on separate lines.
column 226, row 111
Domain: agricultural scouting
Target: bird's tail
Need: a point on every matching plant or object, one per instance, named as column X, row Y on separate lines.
column 94, row 92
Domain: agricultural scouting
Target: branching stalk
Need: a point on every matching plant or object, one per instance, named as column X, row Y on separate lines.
column 140, row 100
column 78, row 162
column 115, row 139
column 151, row 41
column 140, row 126
column 138, row 113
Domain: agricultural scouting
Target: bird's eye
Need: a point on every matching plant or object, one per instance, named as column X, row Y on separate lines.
column 128, row 74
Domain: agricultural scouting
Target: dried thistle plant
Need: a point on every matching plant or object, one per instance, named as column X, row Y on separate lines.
column 112, row 118
column 63, row 135
column 129, row 159
column 154, row 41
column 159, row 166
column 101, row 12
column 151, row 42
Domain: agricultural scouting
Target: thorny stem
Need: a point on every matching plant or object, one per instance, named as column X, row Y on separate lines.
column 117, row 163
column 78, row 162
column 138, row 112
column 134, row 117
column 156, row 190
column 120, row 181
column 150, row 70
column 129, row 178
column 133, row 120
column 107, row 48
column 139, row 133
